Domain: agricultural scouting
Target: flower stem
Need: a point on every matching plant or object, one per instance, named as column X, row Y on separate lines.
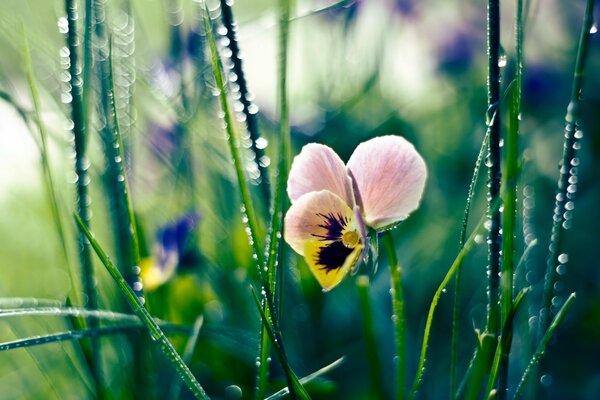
column 397, row 315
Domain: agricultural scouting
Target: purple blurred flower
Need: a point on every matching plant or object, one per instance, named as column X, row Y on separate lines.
column 169, row 250
column 457, row 50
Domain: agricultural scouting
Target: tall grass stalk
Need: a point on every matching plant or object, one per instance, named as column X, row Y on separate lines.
column 493, row 96
column 151, row 325
column 463, row 238
column 373, row 358
column 509, row 216
column 275, row 247
column 249, row 109
column 397, row 315
column 74, row 294
column 539, row 353
column 82, row 186
column 436, row 297
column 566, row 186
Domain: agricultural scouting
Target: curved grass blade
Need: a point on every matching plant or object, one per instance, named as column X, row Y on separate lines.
column 47, row 170
column 151, row 325
column 463, row 237
column 568, row 170
column 539, row 353
column 14, row 302
column 296, row 389
column 436, row 297
column 398, row 315
column 504, row 345
column 188, row 352
column 308, row 378
column 85, row 333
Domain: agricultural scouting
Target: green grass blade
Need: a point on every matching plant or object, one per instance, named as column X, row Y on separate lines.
column 463, row 237
column 296, row 389
column 233, row 142
column 85, row 333
column 436, row 297
column 26, row 302
column 398, row 315
column 47, row 170
column 565, row 191
column 188, row 352
column 249, row 109
column 307, row 379
column 503, row 348
column 539, row 353
column 151, row 325
column 373, row 359
column 509, row 215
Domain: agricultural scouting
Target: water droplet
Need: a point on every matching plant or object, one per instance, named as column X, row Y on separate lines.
column 502, row 61
column 593, row 29
column 563, row 258
column 63, row 25
column 561, row 269
column 546, row 380
column 233, row 392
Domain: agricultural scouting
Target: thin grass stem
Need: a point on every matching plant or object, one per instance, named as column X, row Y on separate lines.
column 151, row 325
column 463, row 237
column 397, row 315
column 436, row 297
column 539, row 353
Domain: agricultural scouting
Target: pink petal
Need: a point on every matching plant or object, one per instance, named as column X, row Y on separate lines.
column 318, row 167
column 389, row 177
column 304, row 220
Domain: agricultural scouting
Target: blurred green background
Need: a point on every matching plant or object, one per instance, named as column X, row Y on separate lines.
column 368, row 68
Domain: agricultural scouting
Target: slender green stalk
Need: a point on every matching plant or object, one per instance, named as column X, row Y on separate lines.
column 81, row 170
column 503, row 347
column 307, row 379
column 276, row 228
column 463, row 237
column 47, row 170
column 79, row 312
column 122, row 182
column 539, row 353
column 509, row 216
column 85, row 333
column 14, row 302
column 233, row 142
column 436, row 297
column 249, row 110
column 295, row 388
column 151, row 325
column 188, row 353
column 493, row 94
column 568, row 169
column 397, row 315
column 374, row 361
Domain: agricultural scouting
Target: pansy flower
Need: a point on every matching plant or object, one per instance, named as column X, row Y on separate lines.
column 169, row 250
column 334, row 205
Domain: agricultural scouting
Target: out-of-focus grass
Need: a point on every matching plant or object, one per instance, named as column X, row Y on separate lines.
column 354, row 73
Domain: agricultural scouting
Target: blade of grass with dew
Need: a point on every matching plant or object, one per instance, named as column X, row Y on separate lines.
column 509, row 215
column 463, row 237
column 127, row 220
column 151, row 325
column 295, row 388
column 249, row 109
column 307, row 379
column 373, row 359
column 436, row 297
column 47, row 170
column 493, row 96
column 85, row 333
column 504, row 345
column 539, row 353
column 82, row 200
column 14, row 302
column 397, row 315
column 568, row 170
column 188, row 352
column 275, row 247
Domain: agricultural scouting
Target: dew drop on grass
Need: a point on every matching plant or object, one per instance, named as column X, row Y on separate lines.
column 546, row 380
column 561, row 269
column 593, row 29
column 563, row 258
column 233, row 392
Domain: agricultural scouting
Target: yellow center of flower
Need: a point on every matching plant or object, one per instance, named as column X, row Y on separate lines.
column 350, row 239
